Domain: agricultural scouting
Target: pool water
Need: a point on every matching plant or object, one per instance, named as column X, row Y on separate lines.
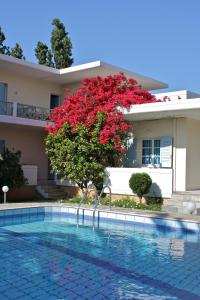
column 56, row 259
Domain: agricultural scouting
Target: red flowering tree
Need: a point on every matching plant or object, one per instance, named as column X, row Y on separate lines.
column 89, row 130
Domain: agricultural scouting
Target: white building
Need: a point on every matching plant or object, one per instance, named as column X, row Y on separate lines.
column 166, row 134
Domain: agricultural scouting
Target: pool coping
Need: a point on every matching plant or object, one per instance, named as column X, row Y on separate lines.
column 115, row 210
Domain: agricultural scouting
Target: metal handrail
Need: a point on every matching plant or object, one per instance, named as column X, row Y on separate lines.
column 99, row 199
column 6, row 108
column 102, row 191
column 32, row 112
column 80, row 203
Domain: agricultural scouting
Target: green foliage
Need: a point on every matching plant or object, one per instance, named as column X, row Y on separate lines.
column 44, row 55
column 124, row 203
column 140, row 183
column 3, row 49
column 80, row 156
column 61, row 45
column 11, row 173
column 154, row 200
column 17, row 52
column 60, row 55
column 49, row 59
column 128, row 203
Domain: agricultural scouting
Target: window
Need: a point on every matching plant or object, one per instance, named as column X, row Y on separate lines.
column 150, row 152
column 3, row 91
column 2, row 147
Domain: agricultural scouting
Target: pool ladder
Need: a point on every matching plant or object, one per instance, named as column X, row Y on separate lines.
column 97, row 202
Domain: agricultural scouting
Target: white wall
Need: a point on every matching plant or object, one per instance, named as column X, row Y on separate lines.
column 118, row 180
column 179, row 154
column 165, row 178
column 30, row 173
column 193, row 155
column 27, row 90
column 154, row 129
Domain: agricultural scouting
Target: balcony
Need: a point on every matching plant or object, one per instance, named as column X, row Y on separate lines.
column 17, row 113
column 6, row 108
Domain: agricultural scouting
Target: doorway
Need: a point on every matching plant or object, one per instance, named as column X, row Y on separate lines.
column 54, row 101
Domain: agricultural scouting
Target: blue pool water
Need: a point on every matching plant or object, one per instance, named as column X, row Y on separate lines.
column 53, row 258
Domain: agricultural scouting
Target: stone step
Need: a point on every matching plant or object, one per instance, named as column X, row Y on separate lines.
column 56, row 194
column 56, row 197
column 51, row 188
column 192, row 192
column 51, row 191
column 174, row 202
column 186, row 197
column 170, row 208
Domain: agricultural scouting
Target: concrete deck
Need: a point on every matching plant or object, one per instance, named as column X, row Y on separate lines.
column 135, row 212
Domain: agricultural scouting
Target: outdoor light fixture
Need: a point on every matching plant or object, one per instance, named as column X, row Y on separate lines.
column 5, row 189
column 191, row 207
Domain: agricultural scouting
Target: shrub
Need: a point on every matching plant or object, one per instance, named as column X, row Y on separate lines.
column 140, row 183
column 154, row 200
column 11, row 173
column 124, row 203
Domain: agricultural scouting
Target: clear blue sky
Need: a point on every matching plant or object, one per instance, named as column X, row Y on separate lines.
column 156, row 38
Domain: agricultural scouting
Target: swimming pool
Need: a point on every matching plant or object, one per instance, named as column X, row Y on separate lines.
column 45, row 255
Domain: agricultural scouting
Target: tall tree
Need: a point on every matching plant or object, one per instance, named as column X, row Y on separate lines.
column 49, row 62
column 3, row 48
column 60, row 54
column 61, row 45
column 44, row 55
column 17, row 52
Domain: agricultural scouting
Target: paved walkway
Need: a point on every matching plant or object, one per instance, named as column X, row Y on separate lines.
column 145, row 213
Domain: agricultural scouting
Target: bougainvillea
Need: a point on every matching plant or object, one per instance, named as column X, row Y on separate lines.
column 89, row 127
column 101, row 95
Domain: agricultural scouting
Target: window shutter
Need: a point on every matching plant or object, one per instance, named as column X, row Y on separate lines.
column 166, row 152
column 131, row 154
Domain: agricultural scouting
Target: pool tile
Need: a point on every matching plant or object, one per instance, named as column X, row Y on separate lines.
column 72, row 210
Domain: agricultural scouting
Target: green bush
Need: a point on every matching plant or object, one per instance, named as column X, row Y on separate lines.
column 140, row 183
column 11, row 173
column 154, row 200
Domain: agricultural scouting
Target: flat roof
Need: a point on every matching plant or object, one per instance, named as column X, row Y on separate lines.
column 75, row 73
column 188, row 108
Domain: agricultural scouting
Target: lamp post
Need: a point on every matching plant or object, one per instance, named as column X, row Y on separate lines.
column 5, row 189
column 191, row 207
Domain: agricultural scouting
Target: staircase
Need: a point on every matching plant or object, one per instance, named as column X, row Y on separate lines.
column 49, row 190
column 179, row 202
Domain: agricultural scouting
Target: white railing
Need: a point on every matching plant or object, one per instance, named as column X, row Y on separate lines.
column 26, row 111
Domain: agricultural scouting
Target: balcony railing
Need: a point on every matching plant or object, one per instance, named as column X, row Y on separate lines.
column 6, row 108
column 32, row 112
column 24, row 111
